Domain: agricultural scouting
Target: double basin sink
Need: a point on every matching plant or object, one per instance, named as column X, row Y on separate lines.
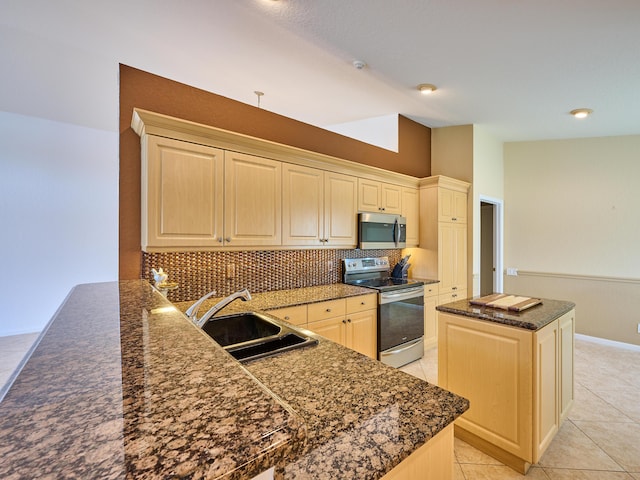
column 251, row 335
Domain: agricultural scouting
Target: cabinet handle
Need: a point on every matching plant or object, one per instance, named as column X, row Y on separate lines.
column 454, row 288
column 454, row 295
column 454, row 219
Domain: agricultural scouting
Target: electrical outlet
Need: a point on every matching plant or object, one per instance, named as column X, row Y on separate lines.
column 512, row 271
column 231, row 270
column 329, row 264
column 639, row 328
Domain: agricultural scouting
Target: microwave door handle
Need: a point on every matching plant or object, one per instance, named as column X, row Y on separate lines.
column 396, row 232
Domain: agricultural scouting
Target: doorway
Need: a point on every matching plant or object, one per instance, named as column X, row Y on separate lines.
column 490, row 245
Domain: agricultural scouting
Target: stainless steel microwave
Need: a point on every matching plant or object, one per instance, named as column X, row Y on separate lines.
column 381, row 231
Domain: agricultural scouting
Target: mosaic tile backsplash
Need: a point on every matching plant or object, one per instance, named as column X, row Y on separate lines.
column 197, row 273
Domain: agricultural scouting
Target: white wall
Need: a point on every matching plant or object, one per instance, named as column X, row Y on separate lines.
column 572, row 228
column 58, row 209
column 488, row 182
column 59, row 121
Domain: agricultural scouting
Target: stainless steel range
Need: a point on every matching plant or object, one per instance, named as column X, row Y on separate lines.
column 400, row 309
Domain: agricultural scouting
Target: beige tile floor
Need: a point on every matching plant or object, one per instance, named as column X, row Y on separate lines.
column 599, row 441
column 601, row 438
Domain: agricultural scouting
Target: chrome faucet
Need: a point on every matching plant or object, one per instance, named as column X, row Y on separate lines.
column 192, row 311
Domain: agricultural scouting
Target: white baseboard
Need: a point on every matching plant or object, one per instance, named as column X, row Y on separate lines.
column 605, row 341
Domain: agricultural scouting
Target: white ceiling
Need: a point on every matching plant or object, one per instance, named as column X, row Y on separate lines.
column 515, row 67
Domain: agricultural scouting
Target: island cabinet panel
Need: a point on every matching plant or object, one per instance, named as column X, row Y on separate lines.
column 182, row 203
column 434, row 460
column 490, row 365
column 566, row 332
column 253, row 200
column 546, row 418
column 519, row 382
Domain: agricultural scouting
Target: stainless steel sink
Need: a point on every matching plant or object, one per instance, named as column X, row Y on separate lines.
column 251, row 335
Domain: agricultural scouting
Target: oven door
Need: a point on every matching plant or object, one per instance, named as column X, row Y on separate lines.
column 401, row 318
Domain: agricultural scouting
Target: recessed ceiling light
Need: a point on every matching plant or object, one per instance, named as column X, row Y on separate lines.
column 426, row 88
column 581, row 112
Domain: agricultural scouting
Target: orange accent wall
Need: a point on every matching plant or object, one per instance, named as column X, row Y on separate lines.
column 151, row 92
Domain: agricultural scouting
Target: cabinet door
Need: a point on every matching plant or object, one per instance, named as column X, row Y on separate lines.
column 430, row 323
column 340, row 210
column 452, row 206
column 302, row 205
column 545, row 388
column 410, row 210
column 391, row 198
column 566, row 328
column 182, row 204
column 369, row 195
column 253, row 201
column 335, row 329
column 452, row 256
column 361, row 332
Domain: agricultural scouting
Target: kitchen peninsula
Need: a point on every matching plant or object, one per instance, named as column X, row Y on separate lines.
column 122, row 385
column 515, row 367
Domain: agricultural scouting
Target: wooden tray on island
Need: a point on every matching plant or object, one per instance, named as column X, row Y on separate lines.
column 512, row 303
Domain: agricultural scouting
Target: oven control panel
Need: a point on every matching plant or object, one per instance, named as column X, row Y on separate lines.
column 374, row 264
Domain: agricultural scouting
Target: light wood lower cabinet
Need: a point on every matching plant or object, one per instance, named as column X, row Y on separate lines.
column 430, row 317
column 350, row 321
column 434, row 460
column 519, row 383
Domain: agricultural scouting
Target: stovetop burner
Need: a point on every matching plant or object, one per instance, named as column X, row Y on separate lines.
column 374, row 273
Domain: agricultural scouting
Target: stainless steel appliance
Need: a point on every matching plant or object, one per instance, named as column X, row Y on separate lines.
column 382, row 230
column 400, row 309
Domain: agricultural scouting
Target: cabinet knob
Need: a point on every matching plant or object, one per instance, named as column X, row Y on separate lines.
column 454, row 288
column 362, row 303
column 328, row 309
column 349, row 320
column 286, row 317
column 220, row 240
column 454, row 219
column 344, row 321
column 228, row 239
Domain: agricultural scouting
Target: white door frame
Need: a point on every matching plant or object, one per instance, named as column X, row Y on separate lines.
column 498, row 239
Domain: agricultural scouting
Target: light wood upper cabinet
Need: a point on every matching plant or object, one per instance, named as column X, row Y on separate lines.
column 182, row 202
column 444, row 235
column 340, row 210
column 253, row 200
column 379, row 197
column 411, row 211
column 452, row 206
column 319, row 208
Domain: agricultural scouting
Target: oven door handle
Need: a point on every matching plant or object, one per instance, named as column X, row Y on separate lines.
column 404, row 294
column 404, row 347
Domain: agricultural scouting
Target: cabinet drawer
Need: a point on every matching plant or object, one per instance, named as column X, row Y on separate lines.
column 452, row 297
column 362, row 303
column 323, row 310
column 296, row 315
column 431, row 290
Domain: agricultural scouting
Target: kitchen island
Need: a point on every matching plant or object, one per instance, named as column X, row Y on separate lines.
column 515, row 367
column 122, row 385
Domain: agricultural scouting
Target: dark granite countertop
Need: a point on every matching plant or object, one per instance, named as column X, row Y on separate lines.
column 122, row 385
column 533, row 318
